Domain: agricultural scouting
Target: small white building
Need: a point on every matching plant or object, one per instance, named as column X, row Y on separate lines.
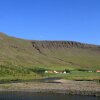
column 90, row 71
column 64, row 72
column 46, row 71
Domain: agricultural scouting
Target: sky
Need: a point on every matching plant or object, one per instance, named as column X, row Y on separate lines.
column 73, row 20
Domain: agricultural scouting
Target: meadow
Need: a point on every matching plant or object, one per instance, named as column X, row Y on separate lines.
column 11, row 73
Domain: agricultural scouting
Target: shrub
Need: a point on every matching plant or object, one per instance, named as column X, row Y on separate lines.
column 38, row 70
column 67, row 70
column 82, row 70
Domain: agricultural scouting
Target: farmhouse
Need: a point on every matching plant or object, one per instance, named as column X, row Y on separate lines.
column 98, row 71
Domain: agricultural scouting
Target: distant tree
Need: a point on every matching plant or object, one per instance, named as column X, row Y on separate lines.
column 67, row 70
column 38, row 70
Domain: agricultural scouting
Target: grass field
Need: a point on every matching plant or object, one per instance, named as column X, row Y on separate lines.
column 12, row 73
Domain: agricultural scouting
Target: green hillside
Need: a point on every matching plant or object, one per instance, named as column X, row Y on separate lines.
column 19, row 57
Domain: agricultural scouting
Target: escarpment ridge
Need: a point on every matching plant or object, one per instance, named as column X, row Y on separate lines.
column 62, row 44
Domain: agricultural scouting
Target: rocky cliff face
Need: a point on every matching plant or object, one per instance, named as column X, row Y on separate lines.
column 61, row 44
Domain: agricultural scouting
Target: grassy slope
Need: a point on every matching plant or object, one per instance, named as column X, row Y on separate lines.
column 16, row 54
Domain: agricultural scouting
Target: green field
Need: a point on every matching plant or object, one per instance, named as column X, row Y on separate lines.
column 19, row 73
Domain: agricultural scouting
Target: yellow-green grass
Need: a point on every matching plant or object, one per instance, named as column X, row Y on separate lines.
column 11, row 73
column 16, row 73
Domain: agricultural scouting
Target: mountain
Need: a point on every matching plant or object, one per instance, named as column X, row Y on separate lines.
column 51, row 54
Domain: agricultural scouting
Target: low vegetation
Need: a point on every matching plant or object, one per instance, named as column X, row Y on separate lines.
column 11, row 73
column 37, row 70
column 16, row 73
